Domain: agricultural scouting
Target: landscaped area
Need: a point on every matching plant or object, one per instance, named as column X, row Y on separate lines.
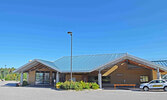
column 37, row 93
column 70, row 85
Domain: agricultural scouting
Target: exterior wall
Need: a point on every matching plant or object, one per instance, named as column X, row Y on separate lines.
column 125, row 75
column 154, row 74
column 78, row 77
column 122, row 75
column 31, row 79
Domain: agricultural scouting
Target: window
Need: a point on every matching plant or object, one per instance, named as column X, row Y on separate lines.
column 74, row 79
column 162, row 81
column 157, row 81
column 105, row 79
column 93, row 79
column 42, row 77
column 153, row 81
column 143, row 78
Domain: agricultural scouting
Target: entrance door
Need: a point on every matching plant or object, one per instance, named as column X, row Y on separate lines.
column 53, row 78
column 42, row 78
column 39, row 78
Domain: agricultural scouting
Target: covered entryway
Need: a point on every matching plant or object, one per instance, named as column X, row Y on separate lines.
column 40, row 74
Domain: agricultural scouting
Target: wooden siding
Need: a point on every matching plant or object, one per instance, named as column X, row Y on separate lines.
column 31, row 79
column 129, row 76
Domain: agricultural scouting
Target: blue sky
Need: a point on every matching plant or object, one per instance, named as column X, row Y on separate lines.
column 32, row 29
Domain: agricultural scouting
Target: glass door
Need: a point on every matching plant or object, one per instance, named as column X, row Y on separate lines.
column 46, row 78
column 42, row 78
column 53, row 78
column 39, row 78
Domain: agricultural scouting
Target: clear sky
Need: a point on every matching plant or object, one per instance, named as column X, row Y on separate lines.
column 32, row 29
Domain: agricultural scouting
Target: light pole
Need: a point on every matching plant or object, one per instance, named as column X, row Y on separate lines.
column 71, row 52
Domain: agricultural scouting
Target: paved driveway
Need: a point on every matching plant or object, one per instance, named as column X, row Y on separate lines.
column 32, row 93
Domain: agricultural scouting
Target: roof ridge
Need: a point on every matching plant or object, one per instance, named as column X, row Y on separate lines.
column 158, row 60
column 59, row 58
column 94, row 54
column 45, row 60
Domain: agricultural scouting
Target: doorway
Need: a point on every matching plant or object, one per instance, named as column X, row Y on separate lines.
column 42, row 78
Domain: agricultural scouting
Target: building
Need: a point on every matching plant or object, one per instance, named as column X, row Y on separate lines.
column 105, row 69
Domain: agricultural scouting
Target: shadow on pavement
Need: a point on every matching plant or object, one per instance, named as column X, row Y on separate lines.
column 11, row 84
column 8, row 84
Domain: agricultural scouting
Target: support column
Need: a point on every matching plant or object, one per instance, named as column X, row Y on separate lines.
column 21, row 78
column 158, row 74
column 57, row 77
column 100, row 79
column 50, row 74
column 27, row 76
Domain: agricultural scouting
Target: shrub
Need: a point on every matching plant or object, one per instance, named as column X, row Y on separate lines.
column 58, row 85
column 87, row 85
column 95, row 86
column 68, row 85
column 25, row 83
column 65, row 85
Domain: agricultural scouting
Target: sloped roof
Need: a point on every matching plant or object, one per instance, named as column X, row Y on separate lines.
column 161, row 62
column 89, row 63
column 85, row 63
column 48, row 63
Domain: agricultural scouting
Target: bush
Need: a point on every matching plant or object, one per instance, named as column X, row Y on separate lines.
column 87, row 85
column 25, row 83
column 65, row 85
column 95, row 86
column 58, row 85
column 68, row 85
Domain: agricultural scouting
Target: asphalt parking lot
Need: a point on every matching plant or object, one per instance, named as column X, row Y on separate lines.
column 37, row 93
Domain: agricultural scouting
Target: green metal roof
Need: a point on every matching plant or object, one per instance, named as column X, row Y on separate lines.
column 89, row 63
column 85, row 63
column 48, row 63
column 161, row 62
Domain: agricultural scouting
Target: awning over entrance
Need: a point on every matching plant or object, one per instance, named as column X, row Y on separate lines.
column 41, row 73
column 35, row 65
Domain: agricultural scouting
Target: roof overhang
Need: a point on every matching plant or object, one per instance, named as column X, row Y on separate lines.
column 131, row 58
column 32, row 64
column 148, row 64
